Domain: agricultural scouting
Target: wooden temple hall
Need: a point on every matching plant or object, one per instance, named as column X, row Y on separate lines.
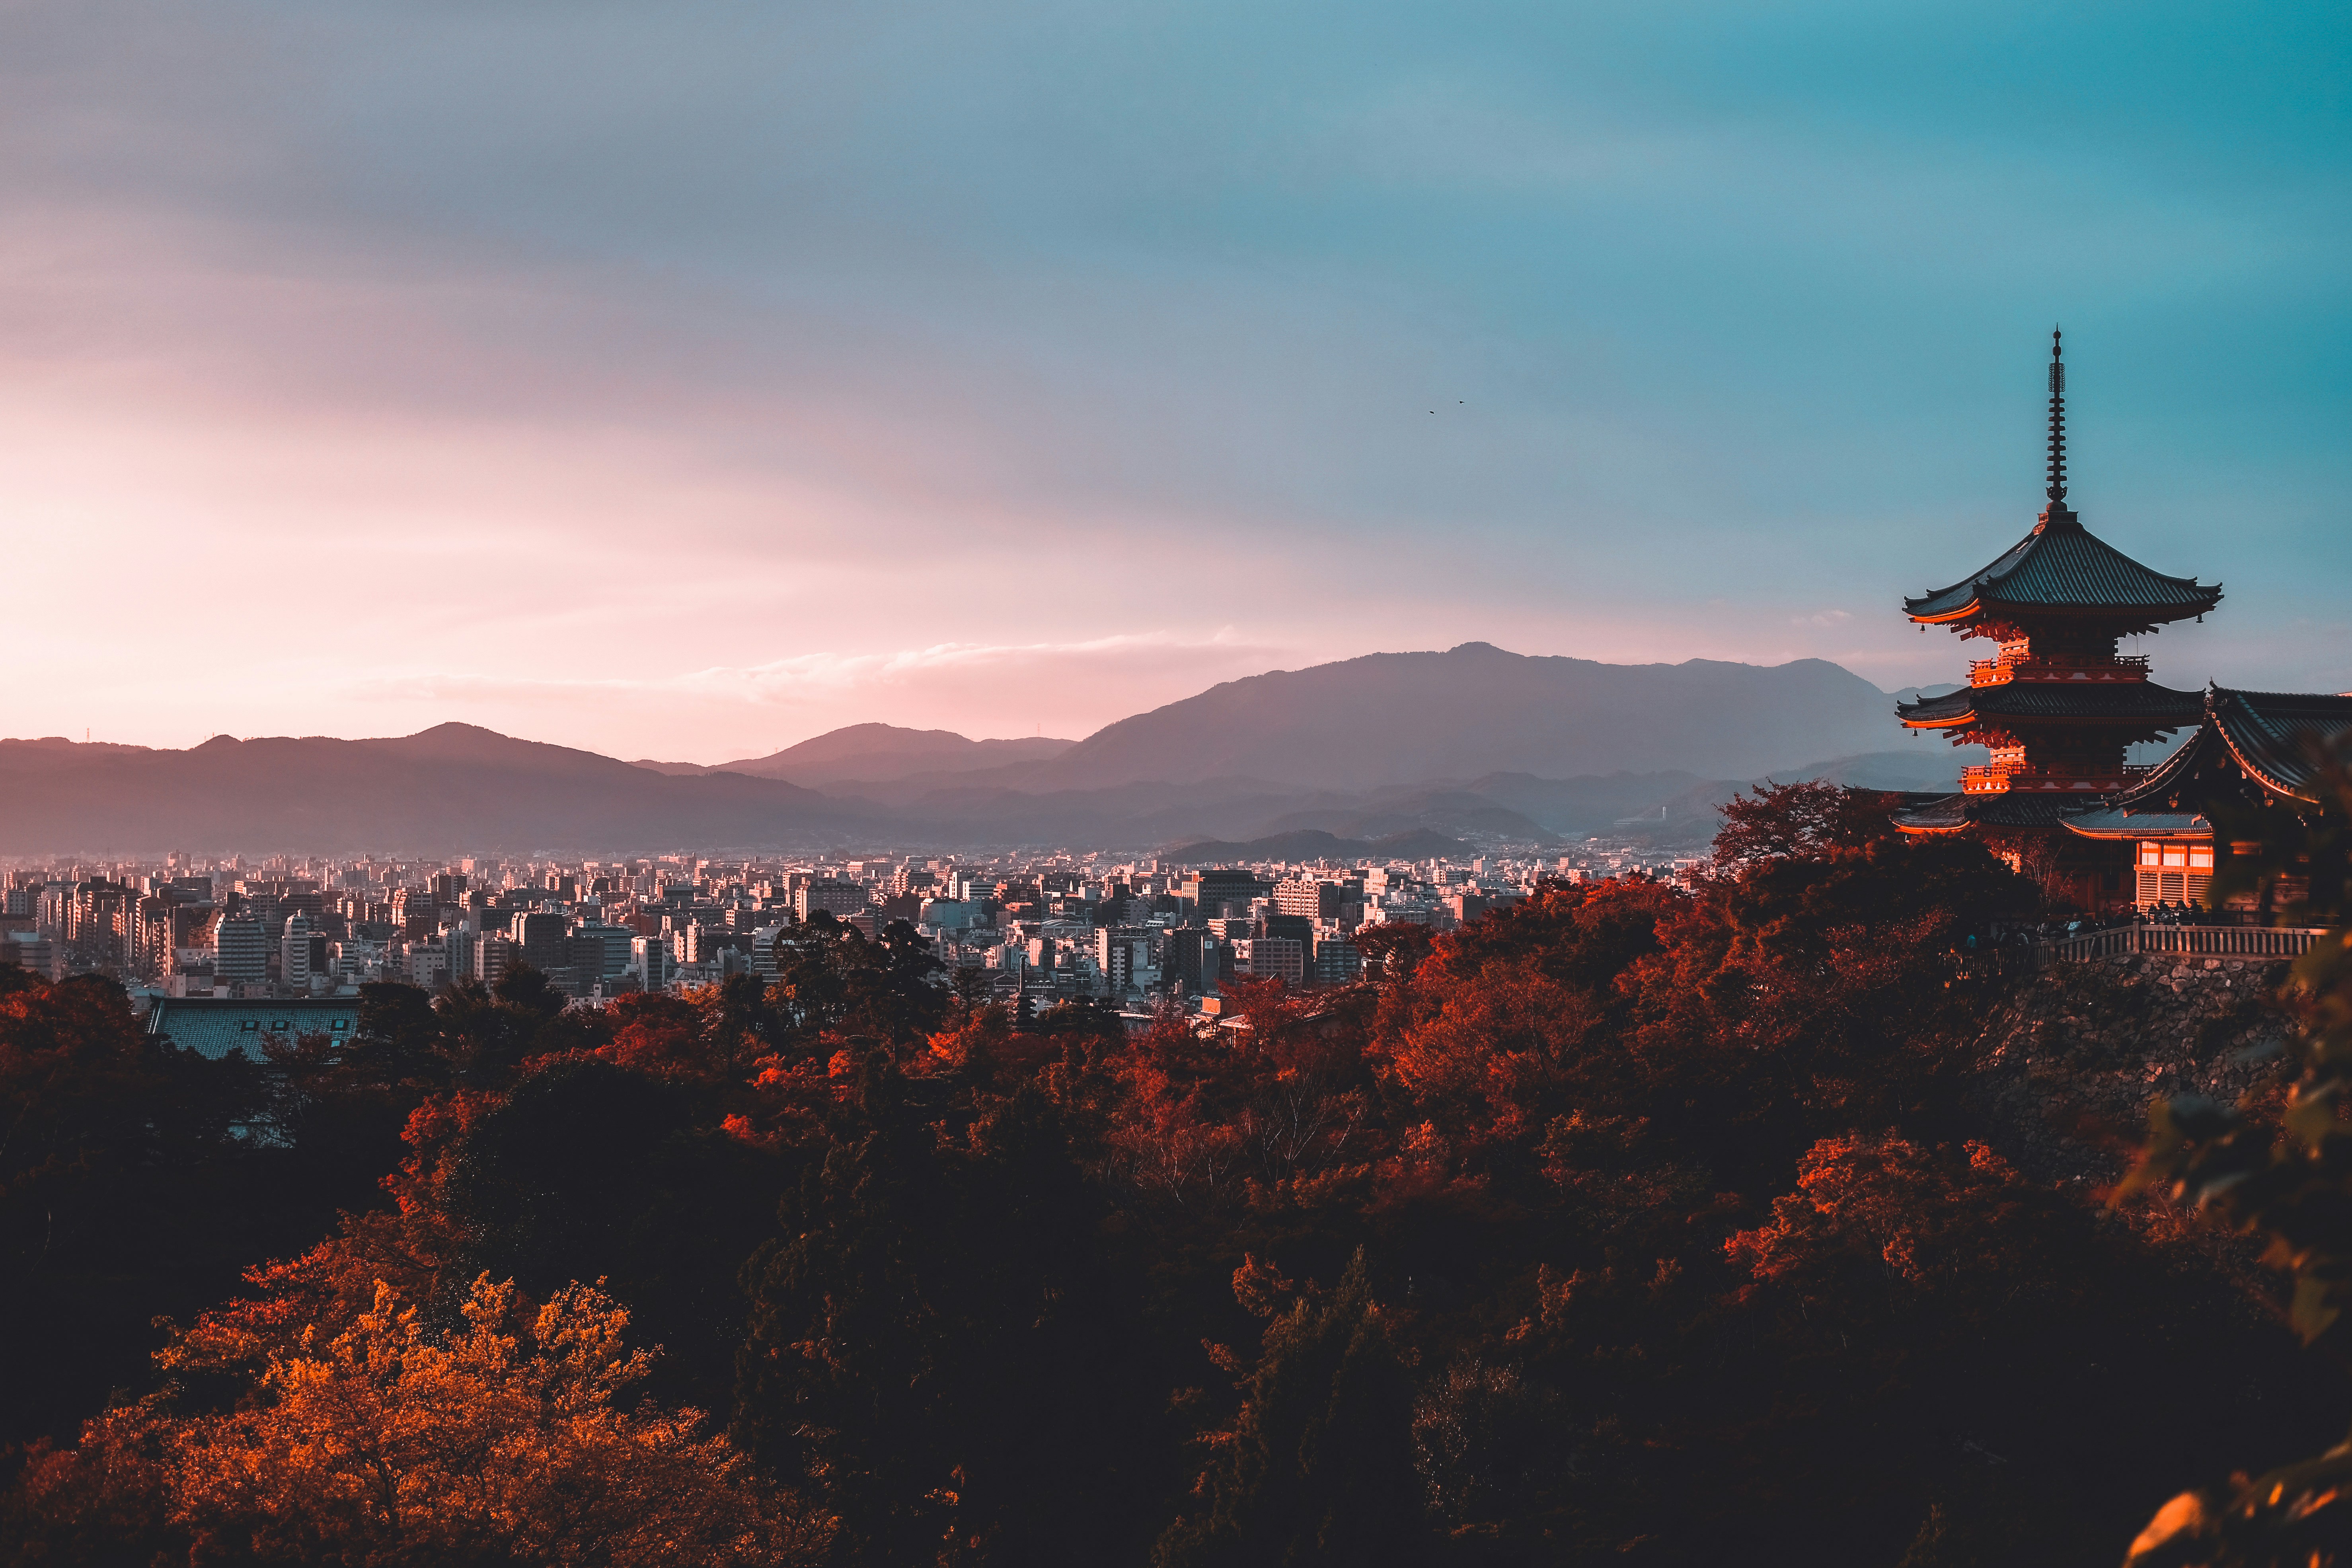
column 2060, row 703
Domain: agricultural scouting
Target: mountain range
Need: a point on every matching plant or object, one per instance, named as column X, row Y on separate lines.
column 1398, row 718
column 1473, row 744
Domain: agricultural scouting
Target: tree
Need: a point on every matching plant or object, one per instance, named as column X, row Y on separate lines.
column 1317, row 1467
column 125, row 1192
column 1799, row 821
column 377, row 1443
column 831, row 983
column 930, row 1343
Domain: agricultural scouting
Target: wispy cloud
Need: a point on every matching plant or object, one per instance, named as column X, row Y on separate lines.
column 1821, row 619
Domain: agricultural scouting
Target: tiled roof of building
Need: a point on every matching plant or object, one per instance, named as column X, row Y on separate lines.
column 2114, row 821
column 2062, row 566
column 1955, row 812
column 2267, row 734
column 216, row 1029
column 2137, row 702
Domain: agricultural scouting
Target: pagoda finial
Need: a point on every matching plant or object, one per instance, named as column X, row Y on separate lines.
column 2057, row 488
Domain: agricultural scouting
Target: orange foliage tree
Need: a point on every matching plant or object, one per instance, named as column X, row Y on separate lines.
column 379, row 1442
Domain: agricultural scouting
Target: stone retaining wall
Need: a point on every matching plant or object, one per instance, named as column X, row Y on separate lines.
column 2069, row 1066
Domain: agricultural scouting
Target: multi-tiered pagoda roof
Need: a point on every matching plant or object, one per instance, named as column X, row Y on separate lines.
column 2062, row 569
column 2059, row 704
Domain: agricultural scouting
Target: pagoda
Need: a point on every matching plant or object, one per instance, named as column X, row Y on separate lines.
column 2059, row 704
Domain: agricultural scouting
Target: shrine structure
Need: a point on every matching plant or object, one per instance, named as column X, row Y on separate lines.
column 2060, row 703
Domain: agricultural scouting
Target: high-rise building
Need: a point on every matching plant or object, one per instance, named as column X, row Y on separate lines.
column 240, row 952
column 1316, row 900
column 836, row 899
column 1338, row 962
column 294, row 953
column 1124, row 955
column 30, row 950
column 493, row 956
column 539, row 939
column 1213, row 893
column 1191, row 961
column 764, row 952
column 600, row 952
column 1271, row 957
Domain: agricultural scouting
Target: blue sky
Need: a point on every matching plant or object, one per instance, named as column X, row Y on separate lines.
column 686, row 381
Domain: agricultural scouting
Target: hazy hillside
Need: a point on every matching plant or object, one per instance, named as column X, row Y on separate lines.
column 1403, row 717
column 453, row 787
column 1418, row 844
column 882, row 752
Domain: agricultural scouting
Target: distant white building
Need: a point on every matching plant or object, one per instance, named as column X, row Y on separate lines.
column 294, row 953
column 240, row 952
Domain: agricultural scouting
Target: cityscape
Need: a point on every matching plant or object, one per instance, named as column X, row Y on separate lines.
column 1028, row 932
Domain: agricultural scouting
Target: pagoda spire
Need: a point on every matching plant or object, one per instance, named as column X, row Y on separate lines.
column 2057, row 487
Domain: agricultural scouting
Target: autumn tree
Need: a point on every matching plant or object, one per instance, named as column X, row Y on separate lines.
column 379, row 1442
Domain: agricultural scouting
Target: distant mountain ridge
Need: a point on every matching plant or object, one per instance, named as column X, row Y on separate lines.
column 450, row 787
column 1399, row 718
column 879, row 753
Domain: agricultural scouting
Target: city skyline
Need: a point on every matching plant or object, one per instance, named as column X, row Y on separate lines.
column 684, row 387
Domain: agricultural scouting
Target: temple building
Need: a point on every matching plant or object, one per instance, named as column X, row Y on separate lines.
column 2254, row 752
column 2059, row 704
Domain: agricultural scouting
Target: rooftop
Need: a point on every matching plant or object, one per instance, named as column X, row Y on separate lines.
column 2063, row 568
column 2139, row 702
column 2270, row 736
column 216, row 1029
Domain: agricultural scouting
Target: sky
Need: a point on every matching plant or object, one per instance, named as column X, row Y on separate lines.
column 682, row 382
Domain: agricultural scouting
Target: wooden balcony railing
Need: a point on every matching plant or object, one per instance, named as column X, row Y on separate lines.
column 2186, row 941
column 2005, row 778
column 2055, row 667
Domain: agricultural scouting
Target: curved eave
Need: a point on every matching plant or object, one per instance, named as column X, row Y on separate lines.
column 1973, row 718
column 1962, row 613
column 2139, row 617
column 2168, row 772
column 2260, row 775
column 1943, row 815
column 2253, row 753
column 2113, row 823
column 2123, row 705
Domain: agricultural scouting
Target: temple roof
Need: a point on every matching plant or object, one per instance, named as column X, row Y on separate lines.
column 2113, row 822
column 2119, row 701
column 2268, row 734
column 2061, row 568
column 1955, row 812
